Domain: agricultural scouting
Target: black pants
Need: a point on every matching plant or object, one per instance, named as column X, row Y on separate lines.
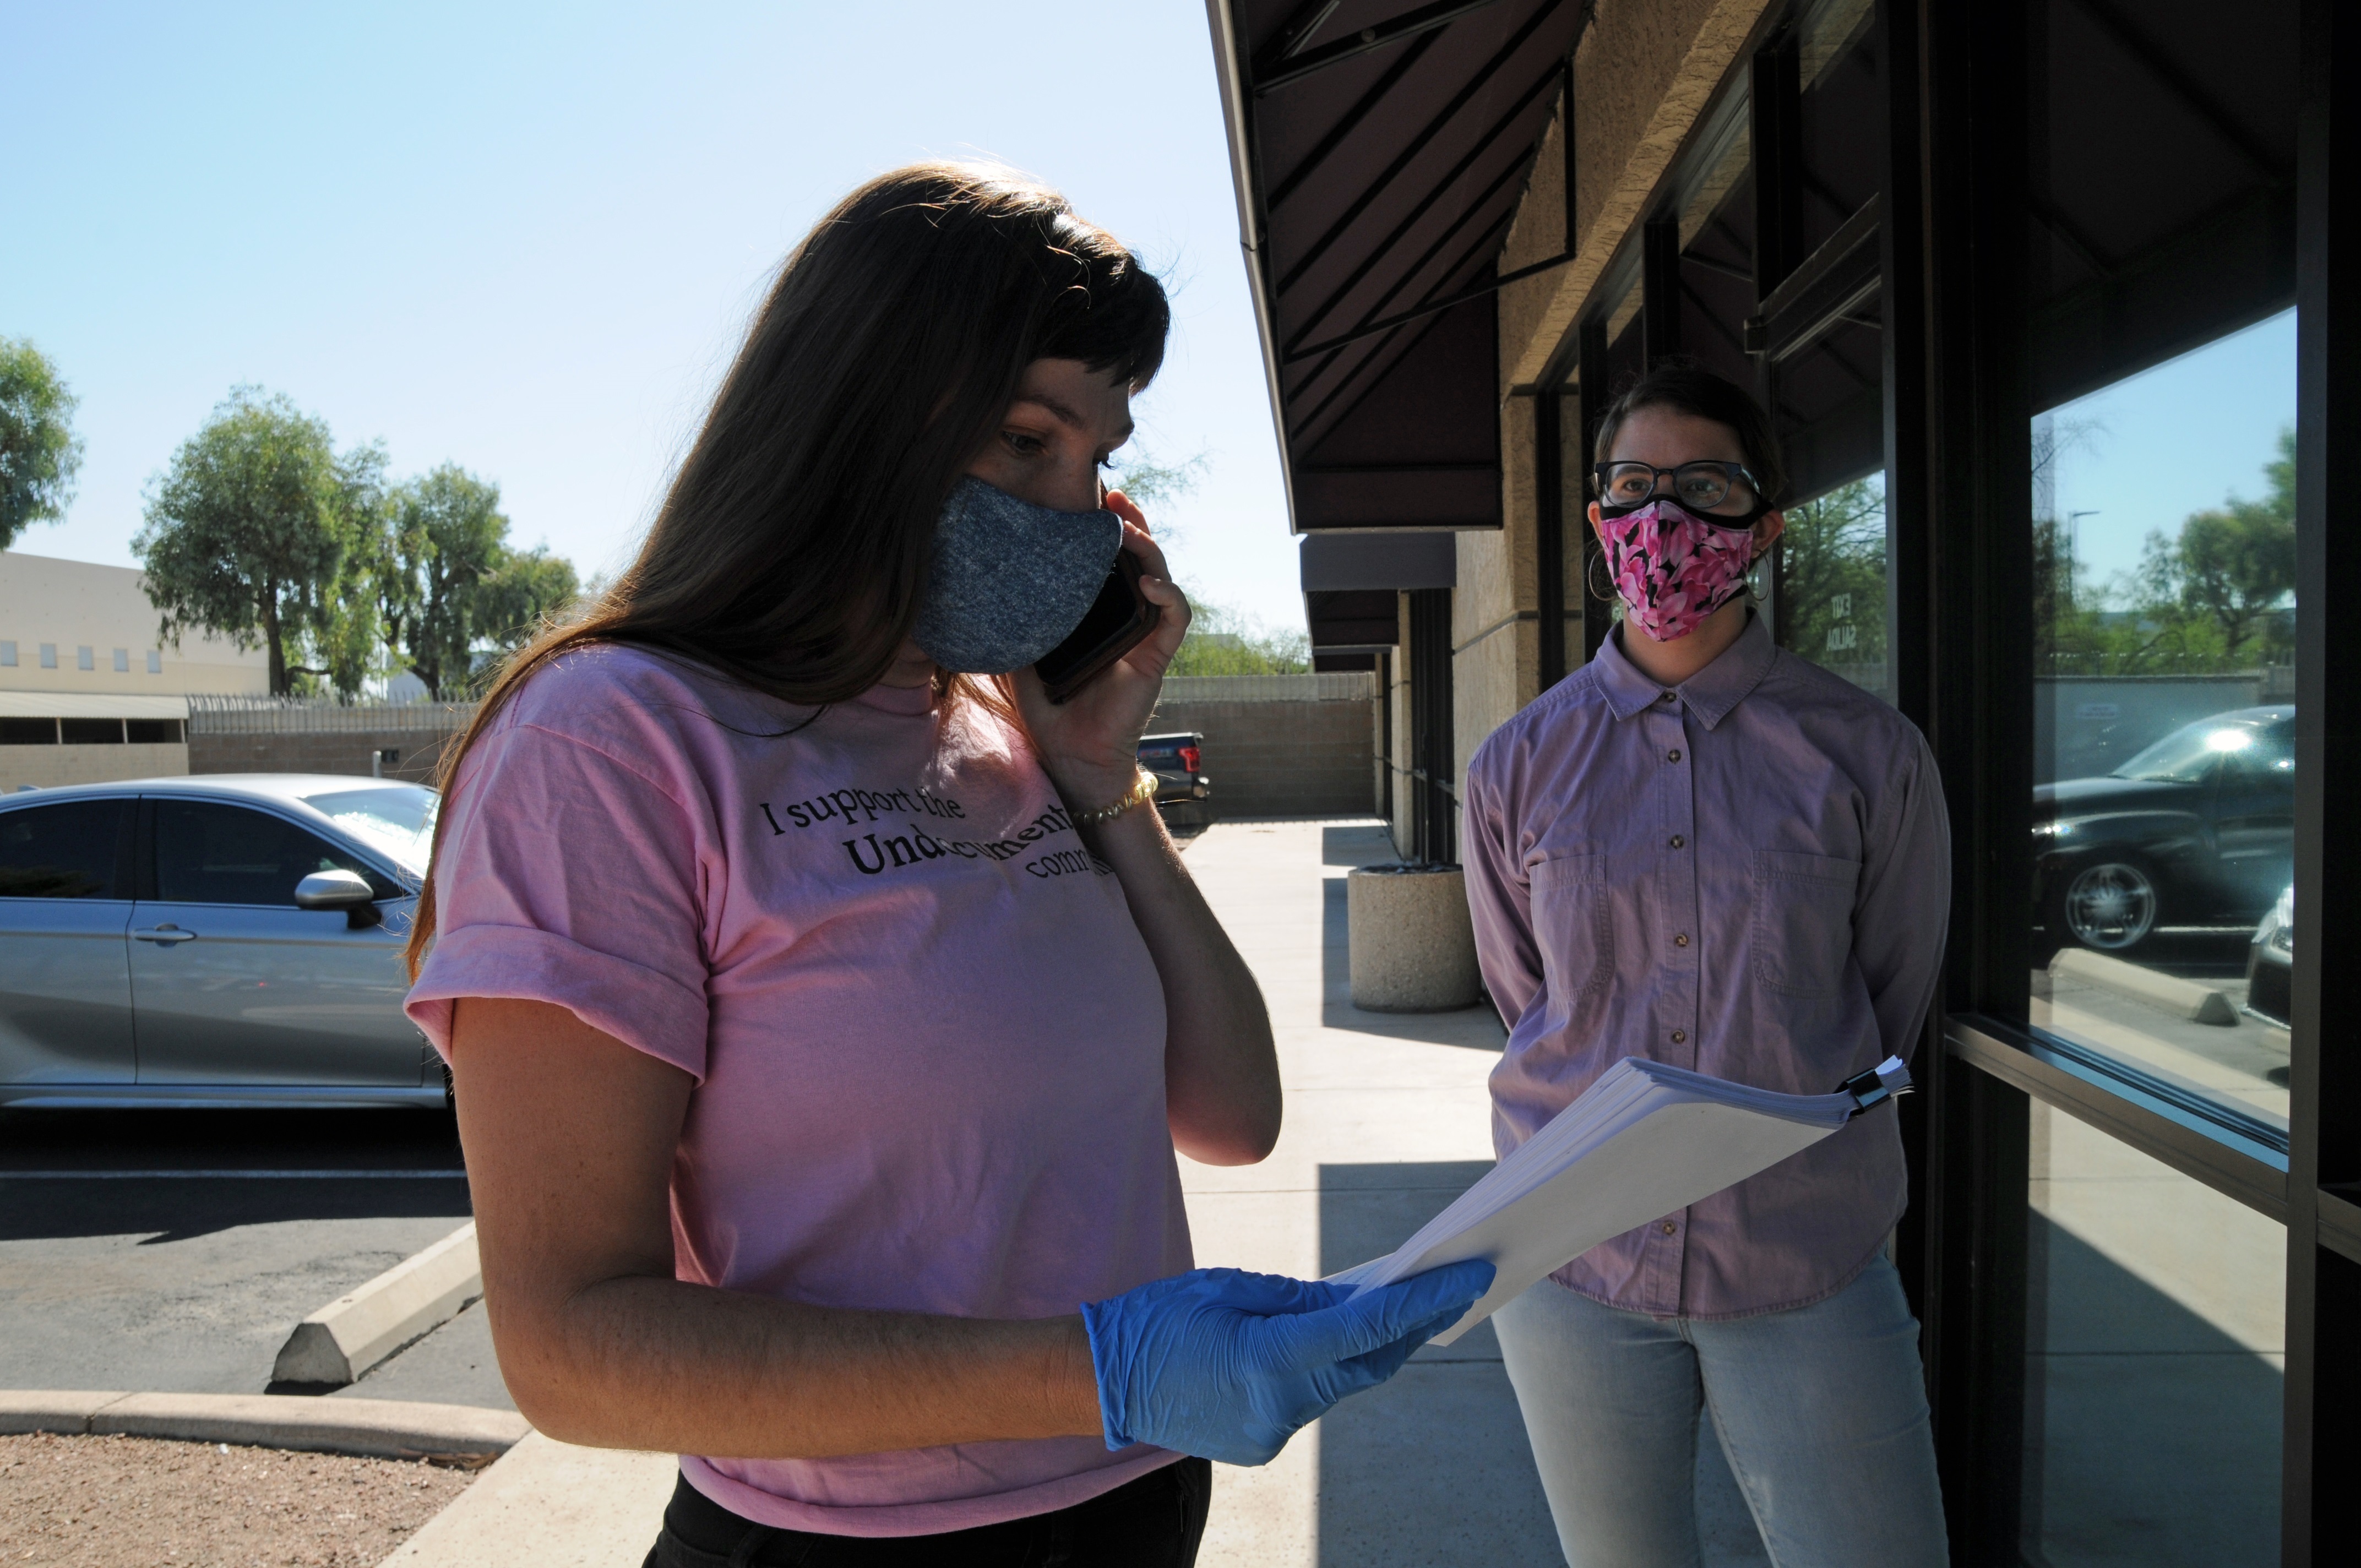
column 1155, row 1522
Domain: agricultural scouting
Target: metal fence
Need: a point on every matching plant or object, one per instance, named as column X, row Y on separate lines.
column 1345, row 686
column 216, row 715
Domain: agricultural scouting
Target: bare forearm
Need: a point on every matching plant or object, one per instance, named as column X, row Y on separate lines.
column 1220, row 1069
column 658, row 1364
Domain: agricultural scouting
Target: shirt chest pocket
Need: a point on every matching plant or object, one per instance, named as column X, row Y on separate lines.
column 1571, row 924
column 1803, row 921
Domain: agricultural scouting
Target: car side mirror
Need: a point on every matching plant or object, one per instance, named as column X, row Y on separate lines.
column 348, row 891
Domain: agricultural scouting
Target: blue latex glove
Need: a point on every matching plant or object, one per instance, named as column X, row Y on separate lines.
column 1229, row 1365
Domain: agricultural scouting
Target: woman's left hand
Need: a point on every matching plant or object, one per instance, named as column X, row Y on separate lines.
column 1089, row 745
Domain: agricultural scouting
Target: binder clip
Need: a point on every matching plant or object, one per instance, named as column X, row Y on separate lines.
column 1879, row 1083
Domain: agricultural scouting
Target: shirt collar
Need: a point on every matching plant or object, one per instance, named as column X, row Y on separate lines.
column 1709, row 694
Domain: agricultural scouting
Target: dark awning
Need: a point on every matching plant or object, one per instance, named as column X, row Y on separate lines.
column 1381, row 151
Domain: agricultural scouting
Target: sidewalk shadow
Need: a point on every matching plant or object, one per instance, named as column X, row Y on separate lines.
column 180, row 1201
column 182, row 1208
column 1434, row 1466
column 2150, row 1435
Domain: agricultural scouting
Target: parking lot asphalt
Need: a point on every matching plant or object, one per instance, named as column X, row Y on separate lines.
column 174, row 1251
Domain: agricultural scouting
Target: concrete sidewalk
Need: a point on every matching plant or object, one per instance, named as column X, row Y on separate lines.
column 1388, row 1120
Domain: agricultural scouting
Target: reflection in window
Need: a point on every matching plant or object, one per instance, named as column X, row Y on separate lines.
column 2154, row 1363
column 2164, row 746
column 209, row 853
column 1831, row 590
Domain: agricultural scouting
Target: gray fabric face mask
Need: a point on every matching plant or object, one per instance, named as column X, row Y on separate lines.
column 1011, row 580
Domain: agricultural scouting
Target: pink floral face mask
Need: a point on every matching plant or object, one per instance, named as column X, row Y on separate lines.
column 1673, row 567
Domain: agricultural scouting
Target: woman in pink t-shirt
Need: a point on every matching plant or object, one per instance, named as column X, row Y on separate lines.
column 825, row 1005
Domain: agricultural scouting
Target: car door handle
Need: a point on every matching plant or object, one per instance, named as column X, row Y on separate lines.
column 165, row 935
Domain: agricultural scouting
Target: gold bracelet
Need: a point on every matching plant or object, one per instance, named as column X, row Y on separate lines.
column 1142, row 792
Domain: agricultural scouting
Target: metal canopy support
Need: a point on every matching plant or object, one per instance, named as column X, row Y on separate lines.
column 1660, row 290
column 1549, row 536
column 2322, row 1419
column 1423, row 22
column 1433, row 824
column 1776, row 106
column 1590, row 360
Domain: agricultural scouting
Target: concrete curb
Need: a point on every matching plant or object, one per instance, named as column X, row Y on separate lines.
column 352, row 1334
column 376, row 1428
column 550, row 1505
column 2167, row 994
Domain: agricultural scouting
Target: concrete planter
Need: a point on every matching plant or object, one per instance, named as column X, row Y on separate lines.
column 1413, row 950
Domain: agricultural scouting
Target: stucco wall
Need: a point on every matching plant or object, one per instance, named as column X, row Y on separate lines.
column 1644, row 72
column 72, row 605
column 45, row 767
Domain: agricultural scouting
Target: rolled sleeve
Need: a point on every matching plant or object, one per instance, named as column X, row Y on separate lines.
column 567, row 876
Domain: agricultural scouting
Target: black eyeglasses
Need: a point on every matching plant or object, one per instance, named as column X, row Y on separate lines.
column 1698, row 486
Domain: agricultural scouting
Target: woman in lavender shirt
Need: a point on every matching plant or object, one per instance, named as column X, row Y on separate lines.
column 1700, row 850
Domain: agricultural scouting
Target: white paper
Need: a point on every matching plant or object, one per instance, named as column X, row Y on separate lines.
column 1644, row 1141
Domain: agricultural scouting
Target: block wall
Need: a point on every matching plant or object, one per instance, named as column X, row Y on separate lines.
column 316, row 751
column 1284, row 759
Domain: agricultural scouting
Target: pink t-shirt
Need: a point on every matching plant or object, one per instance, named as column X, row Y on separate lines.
column 927, row 1040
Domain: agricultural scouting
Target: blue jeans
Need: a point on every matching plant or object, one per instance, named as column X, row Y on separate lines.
column 1821, row 1410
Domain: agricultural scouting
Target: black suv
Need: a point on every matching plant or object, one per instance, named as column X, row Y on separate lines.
column 2197, row 829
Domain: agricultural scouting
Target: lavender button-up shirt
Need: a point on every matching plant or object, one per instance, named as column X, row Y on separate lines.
column 1747, row 875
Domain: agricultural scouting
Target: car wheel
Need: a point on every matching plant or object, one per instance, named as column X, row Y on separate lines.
column 2109, row 904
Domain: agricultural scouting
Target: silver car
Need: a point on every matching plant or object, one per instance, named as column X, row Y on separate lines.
column 227, row 939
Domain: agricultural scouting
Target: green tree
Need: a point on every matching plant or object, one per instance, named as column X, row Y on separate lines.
column 40, row 452
column 447, row 585
column 2234, row 565
column 526, row 590
column 245, row 533
column 1225, row 641
column 1832, row 576
column 345, row 644
column 446, row 535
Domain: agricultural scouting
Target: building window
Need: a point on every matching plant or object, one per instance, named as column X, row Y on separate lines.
column 155, row 661
column 84, row 658
column 154, row 731
column 91, row 731
column 48, row 655
column 28, row 731
column 7, row 655
column 123, row 660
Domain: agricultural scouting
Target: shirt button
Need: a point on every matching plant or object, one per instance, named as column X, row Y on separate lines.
column 1670, row 1227
column 1666, row 697
column 1681, row 940
column 1673, row 756
column 1678, row 840
column 1679, row 1035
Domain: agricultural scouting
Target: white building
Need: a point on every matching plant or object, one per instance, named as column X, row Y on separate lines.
column 88, row 691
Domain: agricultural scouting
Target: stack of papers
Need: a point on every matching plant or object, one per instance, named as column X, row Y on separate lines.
column 1644, row 1141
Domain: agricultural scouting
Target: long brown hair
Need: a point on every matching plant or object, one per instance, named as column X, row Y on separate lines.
column 792, row 548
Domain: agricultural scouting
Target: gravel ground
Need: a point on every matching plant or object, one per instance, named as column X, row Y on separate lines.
column 126, row 1502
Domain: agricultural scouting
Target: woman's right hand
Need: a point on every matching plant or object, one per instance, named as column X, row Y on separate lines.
column 1226, row 1364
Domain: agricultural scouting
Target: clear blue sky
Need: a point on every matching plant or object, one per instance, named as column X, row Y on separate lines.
column 2173, row 440
column 526, row 238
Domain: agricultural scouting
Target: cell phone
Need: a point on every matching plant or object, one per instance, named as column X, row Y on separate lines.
column 1118, row 620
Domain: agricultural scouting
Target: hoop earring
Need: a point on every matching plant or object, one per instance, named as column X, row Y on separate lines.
column 1595, row 578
